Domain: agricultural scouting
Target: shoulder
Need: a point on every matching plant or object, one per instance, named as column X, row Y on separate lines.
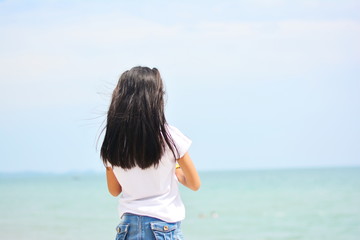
column 173, row 129
column 175, row 132
column 181, row 141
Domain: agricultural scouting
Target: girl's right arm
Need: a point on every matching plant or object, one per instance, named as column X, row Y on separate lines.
column 112, row 183
column 187, row 174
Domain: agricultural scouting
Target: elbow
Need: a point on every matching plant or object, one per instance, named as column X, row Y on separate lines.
column 115, row 193
column 195, row 187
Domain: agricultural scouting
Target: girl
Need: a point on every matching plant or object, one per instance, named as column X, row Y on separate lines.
column 140, row 151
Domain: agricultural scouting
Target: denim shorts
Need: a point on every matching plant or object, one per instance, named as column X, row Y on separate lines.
column 135, row 227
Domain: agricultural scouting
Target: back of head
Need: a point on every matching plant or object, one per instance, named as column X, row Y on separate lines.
column 136, row 132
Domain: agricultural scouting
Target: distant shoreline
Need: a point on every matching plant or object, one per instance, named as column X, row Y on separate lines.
column 100, row 173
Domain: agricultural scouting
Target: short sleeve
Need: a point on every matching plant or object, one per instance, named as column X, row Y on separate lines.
column 107, row 164
column 182, row 142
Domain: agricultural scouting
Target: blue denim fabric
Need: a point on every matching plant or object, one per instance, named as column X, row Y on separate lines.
column 135, row 227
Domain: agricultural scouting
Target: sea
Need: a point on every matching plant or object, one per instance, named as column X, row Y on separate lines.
column 283, row 204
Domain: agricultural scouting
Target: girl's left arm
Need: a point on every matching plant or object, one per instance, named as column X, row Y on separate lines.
column 112, row 183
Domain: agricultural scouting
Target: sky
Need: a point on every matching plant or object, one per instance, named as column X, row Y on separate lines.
column 255, row 84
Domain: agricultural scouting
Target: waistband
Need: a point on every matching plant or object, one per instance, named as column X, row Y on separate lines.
column 141, row 218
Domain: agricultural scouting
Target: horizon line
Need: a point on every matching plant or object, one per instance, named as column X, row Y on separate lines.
column 30, row 172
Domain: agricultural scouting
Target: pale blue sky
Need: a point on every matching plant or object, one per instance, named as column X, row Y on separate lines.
column 254, row 84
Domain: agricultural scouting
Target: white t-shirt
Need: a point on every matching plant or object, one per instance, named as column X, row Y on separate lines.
column 154, row 191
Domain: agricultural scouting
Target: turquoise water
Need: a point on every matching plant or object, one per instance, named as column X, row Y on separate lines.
column 258, row 205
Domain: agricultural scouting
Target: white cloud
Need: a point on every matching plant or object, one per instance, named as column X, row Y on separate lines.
column 249, row 67
column 80, row 50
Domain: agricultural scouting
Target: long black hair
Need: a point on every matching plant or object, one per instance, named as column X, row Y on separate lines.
column 136, row 132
